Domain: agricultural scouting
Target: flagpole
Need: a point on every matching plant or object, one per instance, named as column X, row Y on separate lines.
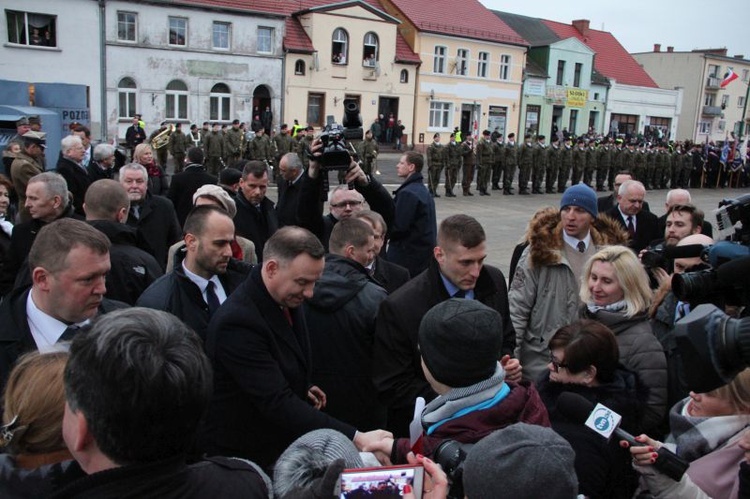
column 744, row 110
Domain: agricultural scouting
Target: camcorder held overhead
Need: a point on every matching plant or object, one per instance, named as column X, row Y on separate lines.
column 338, row 149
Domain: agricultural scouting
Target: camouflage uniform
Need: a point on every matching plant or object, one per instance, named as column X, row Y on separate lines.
column 233, row 145
column 554, row 155
column 303, row 149
column 485, row 158
column 178, row 145
column 260, row 149
column 603, row 163
column 435, row 165
column 579, row 163
column 510, row 162
column 566, row 162
column 214, row 145
column 469, row 158
column 497, row 167
column 525, row 162
column 539, row 167
column 453, row 158
column 368, row 152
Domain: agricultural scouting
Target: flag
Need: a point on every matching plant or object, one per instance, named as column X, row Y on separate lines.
column 729, row 77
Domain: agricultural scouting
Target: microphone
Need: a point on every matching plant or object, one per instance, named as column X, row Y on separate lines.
column 606, row 423
column 687, row 251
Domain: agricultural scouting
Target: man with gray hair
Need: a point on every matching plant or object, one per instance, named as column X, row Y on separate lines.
column 642, row 226
column 47, row 200
column 71, row 168
column 132, row 439
column 153, row 216
column 290, row 168
column 101, row 167
column 681, row 197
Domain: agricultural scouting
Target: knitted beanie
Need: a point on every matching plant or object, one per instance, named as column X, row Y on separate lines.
column 580, row 195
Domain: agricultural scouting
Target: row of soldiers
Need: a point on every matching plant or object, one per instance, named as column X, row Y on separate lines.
column 555, row 164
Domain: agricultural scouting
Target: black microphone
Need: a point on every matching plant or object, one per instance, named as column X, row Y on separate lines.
column 687, row 251
column 578, row 409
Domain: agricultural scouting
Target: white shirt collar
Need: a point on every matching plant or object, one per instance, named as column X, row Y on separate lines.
column 45, row 329
column 202, row 282
column 625, row 217
column 573, row 242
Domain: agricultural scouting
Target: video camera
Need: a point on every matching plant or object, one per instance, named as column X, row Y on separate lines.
column 730, row 212
column 337, row 147
column 451, row 456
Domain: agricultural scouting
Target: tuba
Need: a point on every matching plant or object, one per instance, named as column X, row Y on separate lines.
column 162, row 138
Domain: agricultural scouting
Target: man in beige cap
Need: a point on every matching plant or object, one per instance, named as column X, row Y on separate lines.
column 27, row 164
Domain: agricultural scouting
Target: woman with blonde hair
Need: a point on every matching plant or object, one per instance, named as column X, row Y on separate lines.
column 34, row 403
column 615, row 292
column 157, row 176
column 706, row 429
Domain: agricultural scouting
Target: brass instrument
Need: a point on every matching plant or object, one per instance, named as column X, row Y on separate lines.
column 162, row 138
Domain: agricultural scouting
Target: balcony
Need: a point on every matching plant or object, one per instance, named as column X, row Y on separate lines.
column 711, row 111
column 713, row 83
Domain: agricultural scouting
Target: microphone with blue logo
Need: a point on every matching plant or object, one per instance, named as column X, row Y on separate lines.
column 606, row 423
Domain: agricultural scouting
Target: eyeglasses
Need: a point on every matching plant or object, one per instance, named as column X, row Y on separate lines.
column 556, row 364
column 344, row 204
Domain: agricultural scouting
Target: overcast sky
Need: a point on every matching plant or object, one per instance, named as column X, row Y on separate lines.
column 638, row 24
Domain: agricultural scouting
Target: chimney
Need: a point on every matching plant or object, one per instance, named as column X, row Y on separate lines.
column 657, row 47
column 582, row 25
column 670, row 49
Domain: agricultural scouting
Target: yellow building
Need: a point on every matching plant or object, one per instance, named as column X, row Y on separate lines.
column 342, row 53
column 472, row 67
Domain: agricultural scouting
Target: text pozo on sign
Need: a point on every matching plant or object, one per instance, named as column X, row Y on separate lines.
column 577, row 97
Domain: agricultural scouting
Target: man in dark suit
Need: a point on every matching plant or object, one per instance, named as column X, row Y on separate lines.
column 682, row 197
column 260, row 350
column 69, row 261
column 388, row 274
column 185, row 183
column 456, row 269
column 606, row 203
column 642, row 226
column 75, row 174
column 256, row 217
column 290, row 168
column 153, row 216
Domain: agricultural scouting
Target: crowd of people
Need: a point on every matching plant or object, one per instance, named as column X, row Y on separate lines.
column 186, row 337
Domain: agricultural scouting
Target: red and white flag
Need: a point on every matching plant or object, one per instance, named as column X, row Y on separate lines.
column 729, row 77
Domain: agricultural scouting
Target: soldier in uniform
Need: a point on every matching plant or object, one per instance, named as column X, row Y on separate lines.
column 469, row 159
column 453, row 156
column 178, row 145
column 590, row 166
column 485, row 158
column 260, row 147
column 284, row 144
column 162, row 153
column 540, row 165
column 566, row 163
column 579, row 161
column 662, row 167
column 525, row 161
column 233, row 143
column 603, row 164
column 554, row 155
column 368, row 153
column 213, row 144
column 304, row 146
column 497, row 166
column 510, row 161
column 435, row 164
column 195, row 136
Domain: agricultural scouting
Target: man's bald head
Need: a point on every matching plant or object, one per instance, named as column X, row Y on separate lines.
column 682, row 265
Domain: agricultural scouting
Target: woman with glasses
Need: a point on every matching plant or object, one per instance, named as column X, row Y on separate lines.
column 615, row 292
column 584, row 359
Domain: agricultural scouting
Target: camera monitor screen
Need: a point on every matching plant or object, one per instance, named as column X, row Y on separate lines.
column 387, row 482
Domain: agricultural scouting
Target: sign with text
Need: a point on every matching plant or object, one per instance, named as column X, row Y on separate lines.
column 577, row 97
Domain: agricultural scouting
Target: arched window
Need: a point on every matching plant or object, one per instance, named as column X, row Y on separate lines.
column 370, row 54
column 299, row 67
column 177, row 100
column 340, row 46
column 404, row 76
column 126, row 90
column 220, row 103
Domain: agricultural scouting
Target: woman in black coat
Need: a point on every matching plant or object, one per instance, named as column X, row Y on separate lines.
column 158, row 183
column 584, row 360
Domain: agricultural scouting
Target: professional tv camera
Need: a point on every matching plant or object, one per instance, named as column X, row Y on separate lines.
column 729, row 213
column 337, row 139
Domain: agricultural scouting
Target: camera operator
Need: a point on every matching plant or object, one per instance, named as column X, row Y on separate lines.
column 365, row 189
column 681, row 220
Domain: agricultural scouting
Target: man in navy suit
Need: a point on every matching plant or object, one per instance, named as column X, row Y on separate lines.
column 642, row 226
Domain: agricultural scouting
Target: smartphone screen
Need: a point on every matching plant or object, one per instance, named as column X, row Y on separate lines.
column 388, row 481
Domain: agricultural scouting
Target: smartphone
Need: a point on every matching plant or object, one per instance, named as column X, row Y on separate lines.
column 386, row 481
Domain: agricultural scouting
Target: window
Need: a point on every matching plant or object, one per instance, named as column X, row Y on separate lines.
column 484, row 58
column 370, row 54
column 722, row 126
column 340, row 47
column 505, row 67
column 532, row 119
column 577, row 74
column 704, row 127
column 126, row 98
column 177, row 100
column 404, row 76
column 126, row 26
column 178, row 31
column 438, row 62
column 741, row 101
column 27, row 28
column 596, row 95
column 745, row 74
column 219, row 103
column 713, row 70
column 573, row 120
column 462, row 62
column 440, row 114
column 560, row 73
column 299, row 67
column 709, row 100
column 315, row 108
column 265, row 40
column 724, row 101
column 221, row 34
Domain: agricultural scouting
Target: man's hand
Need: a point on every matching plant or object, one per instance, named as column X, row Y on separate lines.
column 317, row 397
column 513, row 368
column 314, row 166
column 661, row 276
column 379, row 442
column 355, row 175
